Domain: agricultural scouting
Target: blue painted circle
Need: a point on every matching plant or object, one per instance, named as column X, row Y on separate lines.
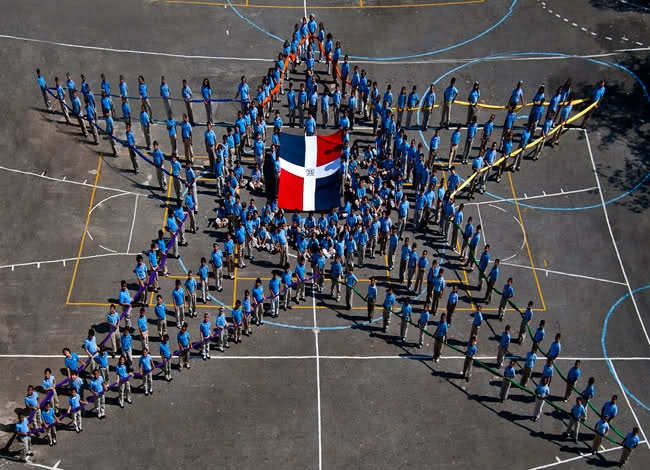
column 381, row 59
column 604, row 336
column 516, row 54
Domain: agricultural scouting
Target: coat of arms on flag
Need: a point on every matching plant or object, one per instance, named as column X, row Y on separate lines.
column 309, row 172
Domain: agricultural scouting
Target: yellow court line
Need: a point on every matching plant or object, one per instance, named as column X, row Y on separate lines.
column 324, row 7
column 89, row 304
column 530, row 256
column 83, row 235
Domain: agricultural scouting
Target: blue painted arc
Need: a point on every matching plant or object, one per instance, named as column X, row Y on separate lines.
column 517, row 54
column 382, row 59
column 604, row 336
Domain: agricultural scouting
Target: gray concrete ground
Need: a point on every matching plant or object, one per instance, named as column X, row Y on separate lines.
column 319, row 388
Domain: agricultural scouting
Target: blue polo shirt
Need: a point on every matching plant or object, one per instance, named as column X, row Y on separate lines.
column 183, row 339
column 441, row 329
column 274, row 285
column 531, row 357
column 146, row 362
column 205, row 327
column 504, row 342
column 555, row 349
column 126, row 342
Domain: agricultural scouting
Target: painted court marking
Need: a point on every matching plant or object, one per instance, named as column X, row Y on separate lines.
column 346, row 358
column 318, row 402
column 581, row 456
column 360, row 61
column 560, row 273
column 627, row 282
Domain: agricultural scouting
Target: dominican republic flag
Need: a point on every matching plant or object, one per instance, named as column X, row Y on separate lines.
column 309, row 172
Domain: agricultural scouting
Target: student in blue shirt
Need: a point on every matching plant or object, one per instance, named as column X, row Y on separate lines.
column 411, row 102
column 538, row 107
column 576, row 416
column 186, row 93
column 589, row 392
column 440, row 337
column 541, row 393
column 60, row 95
column 508, row 376
column 405, row 313
column 146, row 368
column 630, row 442
column 601, row 429
column 350, row 283
column 389, row 303
column 453, row 145
column 206, row 95
column 476, row 322
column 526, row 318
column 98, row 388
column 473, row 98
column 49, row 386
column 469, row 358
column 237, row 321
column 23, row 433
column 504, row 343
column 571, row 379
column 491, row 280
column 451, row 92
column 71, row 361
column 529, row 364
column 190, row 293
column 507, row 294
column 43, row 86
column 142, row 90
column 123, row 378
column 185, row 345
column 428, row 102
column 274, row 292
column 596, row 97
column 610, row 408
column 166, row 356
column 126, row 342
column 539, row 333
column 423, row 322
column 75, row 403
column 50, row 421
column 32, row 405
column 564, row 114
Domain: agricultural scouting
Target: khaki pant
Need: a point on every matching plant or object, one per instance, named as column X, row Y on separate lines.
column 501, row 352
column 146, row 130
column 573, row 426
column 474, row 331
column 348, row 296
column 335, row 291
column 526, row 375
column 539, row 404
column 403, row 328
column 437, row 346
column 190, row 113
column 25, row 446
column 505, row 389
column 446, row 113
column 125, row 389
column 467, row 367
column 259, row 312
column 435, row 301
column 218, row 277
column 371, row 310
column 625, row 453
column 453, row 150
column 50, row 432
column 189, row 150
column 598, row 439
column 144, row 339
column 162, row 178
column 387, row 314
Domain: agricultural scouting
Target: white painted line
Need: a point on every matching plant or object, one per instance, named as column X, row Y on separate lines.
column 539, row 196
column 345, row 358
column 566, row 20
column 266, row 60
column 593, row 34
column 38, row 465
column 480, row 220
column 584, row 29
column 608, row 38
column 135, row 208
column 624, row 38
column 108, row 198
column 107, row 249
column 29, row 173
column 573, row 459
column 558, row 15
column 89, row 235
column 33, row 263
column 638, row 43
column 560, row 273
column 318, row 403
column 611, row 233
column 497, row 207
column 574, row 24
column 627, row 281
